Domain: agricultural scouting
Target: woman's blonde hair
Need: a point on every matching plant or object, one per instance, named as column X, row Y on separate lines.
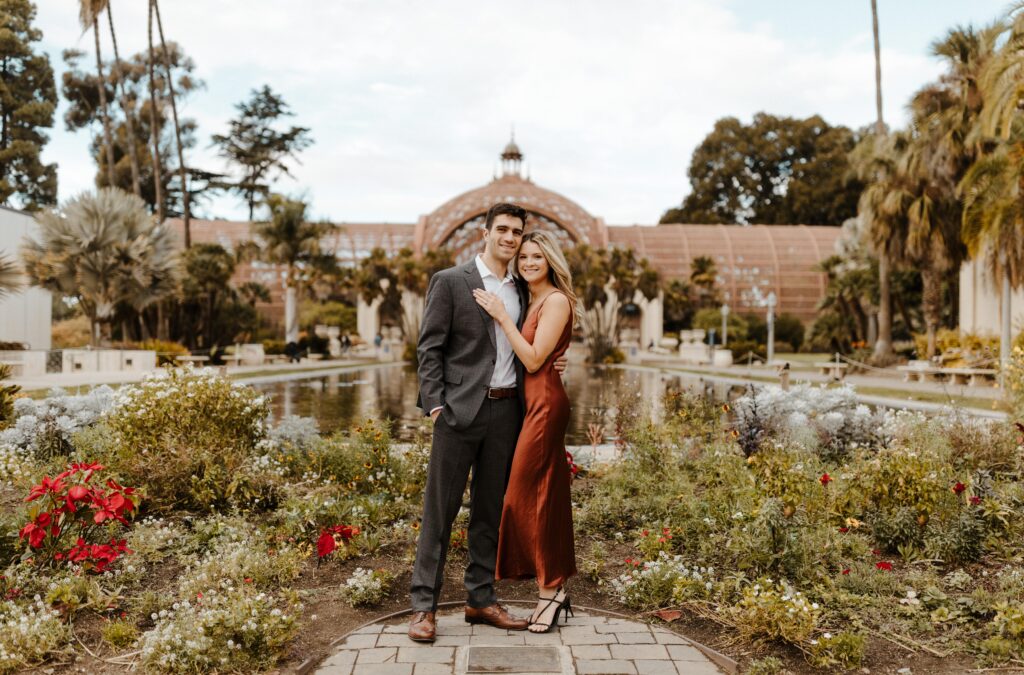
column 558, row 267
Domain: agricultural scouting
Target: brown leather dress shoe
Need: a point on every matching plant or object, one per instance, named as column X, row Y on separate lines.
column 422, row 627
column 496, row 616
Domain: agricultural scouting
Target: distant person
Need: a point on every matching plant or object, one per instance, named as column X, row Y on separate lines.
column 472, row 386
column 378, row 339
column 293, row 352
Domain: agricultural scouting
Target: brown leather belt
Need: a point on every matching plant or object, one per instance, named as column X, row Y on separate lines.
column 511, row 392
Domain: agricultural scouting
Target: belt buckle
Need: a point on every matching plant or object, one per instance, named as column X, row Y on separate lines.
column 490, row 393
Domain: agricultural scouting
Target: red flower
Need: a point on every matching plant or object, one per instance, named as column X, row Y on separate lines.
column 958, row 488
column 325, row 544
column 37, row 491
column 844, row 530
column 34, row 533
column 346, row 532
column 884, row 565
column 975, row 500
column 875, row 551
column 846, row 571
column 645, row 533
column 825, row 479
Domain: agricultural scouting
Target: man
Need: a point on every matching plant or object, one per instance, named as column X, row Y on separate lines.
column 469, row 385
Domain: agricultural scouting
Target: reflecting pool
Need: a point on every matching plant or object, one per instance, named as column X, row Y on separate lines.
column 341, row 399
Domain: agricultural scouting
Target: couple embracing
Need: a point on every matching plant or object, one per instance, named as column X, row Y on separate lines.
column 491, row 352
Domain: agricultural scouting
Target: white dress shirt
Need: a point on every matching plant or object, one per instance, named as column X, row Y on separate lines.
column 504, row 375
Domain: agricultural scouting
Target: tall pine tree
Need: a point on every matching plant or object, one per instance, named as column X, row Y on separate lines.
column 256, row 147
column 28, row 98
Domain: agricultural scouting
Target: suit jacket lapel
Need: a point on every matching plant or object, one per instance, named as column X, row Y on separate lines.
column 474, row 280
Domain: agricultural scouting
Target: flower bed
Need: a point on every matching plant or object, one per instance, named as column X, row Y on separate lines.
column 174, row 522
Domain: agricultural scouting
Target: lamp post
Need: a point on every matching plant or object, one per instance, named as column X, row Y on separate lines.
column 771, row 326
column 725, row 325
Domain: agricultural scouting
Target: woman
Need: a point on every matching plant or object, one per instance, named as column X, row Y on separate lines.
column 536, row 539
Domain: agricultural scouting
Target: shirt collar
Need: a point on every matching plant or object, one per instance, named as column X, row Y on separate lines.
column 485, row 271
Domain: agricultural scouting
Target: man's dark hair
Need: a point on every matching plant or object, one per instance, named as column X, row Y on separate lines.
column 504, row 208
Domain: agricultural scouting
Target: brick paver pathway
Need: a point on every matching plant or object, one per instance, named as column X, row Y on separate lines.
column 588, row 644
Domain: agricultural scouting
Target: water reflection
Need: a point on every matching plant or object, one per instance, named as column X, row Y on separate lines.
column 340, row 400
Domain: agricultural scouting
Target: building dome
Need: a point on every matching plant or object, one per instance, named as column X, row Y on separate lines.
column 456, row 223
column 512, row 150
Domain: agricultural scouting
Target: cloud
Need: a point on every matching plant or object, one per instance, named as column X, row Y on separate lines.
column 409, row 103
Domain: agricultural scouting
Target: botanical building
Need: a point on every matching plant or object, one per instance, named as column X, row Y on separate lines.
column 752, row 261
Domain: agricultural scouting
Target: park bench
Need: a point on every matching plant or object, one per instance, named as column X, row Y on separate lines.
column 971, row 376
column 966, row 376
column 919, row 372
column 232, row 359
column 836, row 371
column 191, row 358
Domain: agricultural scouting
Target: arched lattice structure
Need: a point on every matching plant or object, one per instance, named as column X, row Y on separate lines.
column 465, row 241
column 454, row 223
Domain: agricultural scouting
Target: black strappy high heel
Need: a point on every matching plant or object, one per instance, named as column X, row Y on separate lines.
column 564, row 603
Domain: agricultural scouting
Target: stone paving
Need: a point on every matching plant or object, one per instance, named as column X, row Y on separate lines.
column 587, row 644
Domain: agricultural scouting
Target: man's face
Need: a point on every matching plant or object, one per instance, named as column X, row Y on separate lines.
column 502, row 240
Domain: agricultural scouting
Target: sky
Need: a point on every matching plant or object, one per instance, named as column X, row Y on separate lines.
column 409, row 103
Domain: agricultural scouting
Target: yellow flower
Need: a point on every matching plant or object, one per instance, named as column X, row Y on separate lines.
column 853, row 522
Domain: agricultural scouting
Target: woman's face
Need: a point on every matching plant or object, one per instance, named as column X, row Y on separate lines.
column 531, row 263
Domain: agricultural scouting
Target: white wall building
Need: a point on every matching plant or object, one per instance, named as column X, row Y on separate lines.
column 24, row 315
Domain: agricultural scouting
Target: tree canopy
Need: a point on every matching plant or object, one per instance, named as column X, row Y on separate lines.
column 775, row 171
column 28, row 98
column 79, row 87
column 256, row 147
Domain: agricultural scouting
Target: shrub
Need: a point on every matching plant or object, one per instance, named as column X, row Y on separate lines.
column 231, row 630
column 1008, row 626
column 8, row 392
column 70, row 333
column 844, row 650
column 120, row 634
column 44, row 428
column 246, row 562
column 69, row 519
column 189, row 436
column 273, row 347
column 830, row 418
column 775, row 611
column 329, row 313
column 366, row 588
column 662, row 582
column 29, row 633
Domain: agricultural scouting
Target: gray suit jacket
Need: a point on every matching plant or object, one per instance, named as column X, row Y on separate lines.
column 457, row 348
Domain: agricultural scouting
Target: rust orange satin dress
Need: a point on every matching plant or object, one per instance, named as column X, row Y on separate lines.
column 535, row 538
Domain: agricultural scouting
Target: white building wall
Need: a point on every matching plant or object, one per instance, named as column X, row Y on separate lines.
column 981, row 304
column 25, row 315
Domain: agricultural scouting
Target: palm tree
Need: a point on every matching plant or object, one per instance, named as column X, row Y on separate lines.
column 186, row 198
column 154, row 125
column 883, row 345
column 993, row 210
column 945, row 143
column 129, row 114
column 104, row 249
column 10, row 276
column 703, row 275
column 88, row 16
column 289, row 240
